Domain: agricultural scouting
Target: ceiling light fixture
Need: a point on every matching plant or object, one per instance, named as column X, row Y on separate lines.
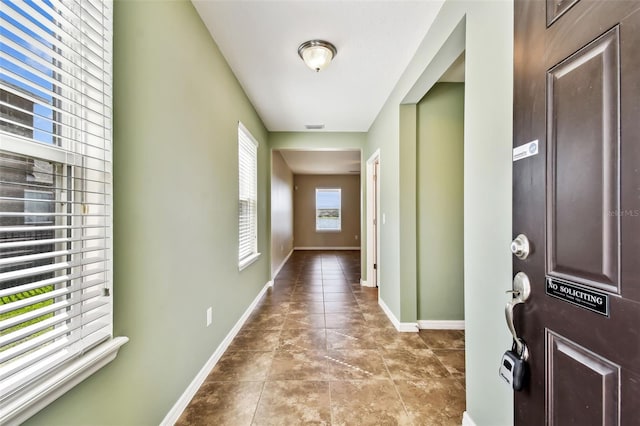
column 317, row 53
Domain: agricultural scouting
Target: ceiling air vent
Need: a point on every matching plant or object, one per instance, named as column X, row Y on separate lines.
column 314, row 126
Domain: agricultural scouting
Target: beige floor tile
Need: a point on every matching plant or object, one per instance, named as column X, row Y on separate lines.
column 366, row 402
column 356, row 364
column 294, row 402
column 265, row 321
column 391, row 339
column 453, row 360
column 242, row 366
column 222, row 403
column 339, row 297
column 337, row 307
column 306, row 307
column 413, row 364
column 436, row 402
column 443, row 339
column 255, row 340
column 303, row 339
column 304, row 321
column 344, row 320
column 299, row 365
column 351, row 338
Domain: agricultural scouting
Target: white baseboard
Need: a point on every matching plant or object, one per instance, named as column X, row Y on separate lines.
column 405, row 327
column 441, row 325
column 174, row 414
column 279, row 268
column 467, row 420
column 364, row 283
column 327, row 248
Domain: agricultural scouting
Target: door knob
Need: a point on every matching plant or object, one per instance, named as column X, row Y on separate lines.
column 520, row 293
column 520, row 246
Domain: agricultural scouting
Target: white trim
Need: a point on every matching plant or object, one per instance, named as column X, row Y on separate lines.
column 369, row 226
column 327, row 248
column 467, row 420
column 248, row 261
column 37, row 397
column 441, row 324
column 364, row 283
column 405, row 327
column 277, row 271
column 174, row 414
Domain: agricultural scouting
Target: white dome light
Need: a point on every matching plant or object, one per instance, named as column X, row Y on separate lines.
column 317, row 54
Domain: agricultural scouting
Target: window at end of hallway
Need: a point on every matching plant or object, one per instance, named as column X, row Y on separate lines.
column 247, row 198
column 328, row 209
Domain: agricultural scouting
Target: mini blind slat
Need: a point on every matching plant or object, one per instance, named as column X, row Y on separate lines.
column 48, row 309
column 63, row 41
column 50, row 281
column 70, row 339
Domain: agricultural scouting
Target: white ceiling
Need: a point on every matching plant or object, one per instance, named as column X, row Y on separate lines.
column 375, row 42
column 322, row 162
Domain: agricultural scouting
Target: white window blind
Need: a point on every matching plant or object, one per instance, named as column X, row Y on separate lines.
column 55, row 189
column 247, row 197
column 328, row 209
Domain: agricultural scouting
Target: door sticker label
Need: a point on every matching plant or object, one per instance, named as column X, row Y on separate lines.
column 588, row 299
column 526, row 150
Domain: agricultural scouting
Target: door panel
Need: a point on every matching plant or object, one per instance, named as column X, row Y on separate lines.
column 555, row 8
column 582, row 152
column 577, row 91
column 571, row 367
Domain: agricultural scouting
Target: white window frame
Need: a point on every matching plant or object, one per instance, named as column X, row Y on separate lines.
column 41, row 383
column 339, row 228
column 247, row 197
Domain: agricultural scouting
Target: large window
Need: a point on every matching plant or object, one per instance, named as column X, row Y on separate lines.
column 247, row 198
column 328, row 209
column 55, row 199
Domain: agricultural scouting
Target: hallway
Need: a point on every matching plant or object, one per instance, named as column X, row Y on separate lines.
column 319, row 349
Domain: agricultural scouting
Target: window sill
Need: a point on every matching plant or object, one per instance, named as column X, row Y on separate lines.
column 248, row 261
column 322, row 231
column 35, row 398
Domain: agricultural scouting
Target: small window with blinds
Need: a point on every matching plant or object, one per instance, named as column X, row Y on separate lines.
column 55, row 198
column 247, row 198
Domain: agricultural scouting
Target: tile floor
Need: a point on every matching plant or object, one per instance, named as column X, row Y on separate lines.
column 319, row 350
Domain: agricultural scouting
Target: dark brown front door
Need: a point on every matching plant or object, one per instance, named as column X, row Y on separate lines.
column 577, row 92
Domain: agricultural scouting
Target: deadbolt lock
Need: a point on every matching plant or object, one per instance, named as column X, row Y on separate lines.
column 520, row 247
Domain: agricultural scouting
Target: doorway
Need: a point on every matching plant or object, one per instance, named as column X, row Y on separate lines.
column 372, row 220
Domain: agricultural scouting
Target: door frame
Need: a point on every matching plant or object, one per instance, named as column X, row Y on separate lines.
column 373, row 231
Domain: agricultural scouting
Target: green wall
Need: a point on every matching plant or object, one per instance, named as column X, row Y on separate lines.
column 441, row 203
column 487, row 40
column 176, row 109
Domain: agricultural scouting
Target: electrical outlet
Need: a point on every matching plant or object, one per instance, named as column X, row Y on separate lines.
column 209, row 316
column 356, row 238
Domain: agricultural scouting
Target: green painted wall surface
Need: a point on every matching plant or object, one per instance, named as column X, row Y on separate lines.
column 441, row 203
column 408, row 224
column 488, row 45
column 176, row 106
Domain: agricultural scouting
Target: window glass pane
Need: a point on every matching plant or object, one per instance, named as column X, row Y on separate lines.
column 27, row 204
column 328, row 210
column 26, row 100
